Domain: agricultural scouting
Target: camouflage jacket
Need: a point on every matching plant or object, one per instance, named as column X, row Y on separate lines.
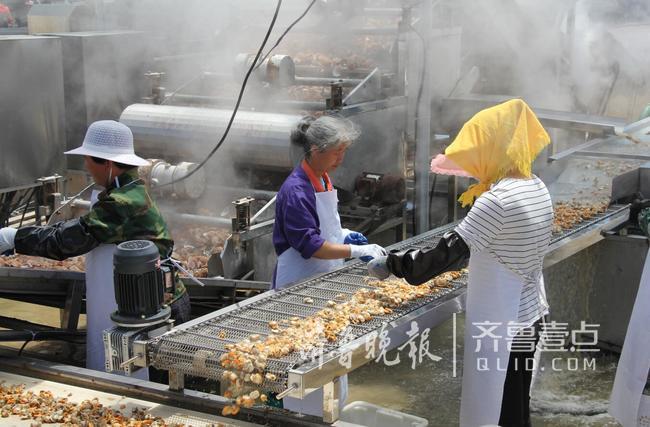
column 124, row 212
column 644, row 221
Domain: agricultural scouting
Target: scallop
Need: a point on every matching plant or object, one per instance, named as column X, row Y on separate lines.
column 254, row 394
column 308, row 300
column 331, row 303
column 257, row 378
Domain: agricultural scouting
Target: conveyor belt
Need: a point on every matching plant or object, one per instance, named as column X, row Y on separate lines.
column 175, row 349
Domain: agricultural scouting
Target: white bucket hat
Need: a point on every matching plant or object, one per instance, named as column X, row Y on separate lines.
column 109, row 140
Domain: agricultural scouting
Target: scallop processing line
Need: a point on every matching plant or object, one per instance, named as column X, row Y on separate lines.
column 296, row 375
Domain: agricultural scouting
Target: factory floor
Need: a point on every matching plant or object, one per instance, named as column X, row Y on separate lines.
column 562, row 397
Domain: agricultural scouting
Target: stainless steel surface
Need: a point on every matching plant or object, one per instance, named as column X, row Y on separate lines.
column 585, row 234
column 637, row 129
column 457, row 110
column 366, row 90
column 261, row 140
column 175, row 349
column 423, row 123
column 579, row 122
column 255, row 138
column 237, row 322
column 98, row 86
column 163, row 174
column 613, row 155
column 32, row 106
column 573, row 150
column 619, row 266
column 55, row 282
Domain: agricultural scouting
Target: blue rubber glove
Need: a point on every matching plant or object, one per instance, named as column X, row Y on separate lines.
column 354, row 238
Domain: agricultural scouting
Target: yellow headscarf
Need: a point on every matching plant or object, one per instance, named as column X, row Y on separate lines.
column 496, row 141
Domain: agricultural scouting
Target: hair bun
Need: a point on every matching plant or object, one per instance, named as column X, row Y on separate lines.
column 299, row 133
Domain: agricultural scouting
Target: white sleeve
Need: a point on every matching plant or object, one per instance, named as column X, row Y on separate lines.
column 483, row 222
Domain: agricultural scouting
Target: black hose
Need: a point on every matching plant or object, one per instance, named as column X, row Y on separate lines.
column 284, row 34
column 239, row 98
column 27, row 335
column 29, row 200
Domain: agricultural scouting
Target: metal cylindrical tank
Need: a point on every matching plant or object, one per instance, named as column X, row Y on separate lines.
column 32, row 125
column 257, row 139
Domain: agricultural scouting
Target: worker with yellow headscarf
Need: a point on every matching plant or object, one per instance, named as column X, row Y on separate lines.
column 505, row 236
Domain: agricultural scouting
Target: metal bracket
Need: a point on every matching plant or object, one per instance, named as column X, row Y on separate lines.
column 242, row 218
column 368, row 90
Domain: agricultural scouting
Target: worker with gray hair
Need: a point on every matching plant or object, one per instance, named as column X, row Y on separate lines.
column 307, row 235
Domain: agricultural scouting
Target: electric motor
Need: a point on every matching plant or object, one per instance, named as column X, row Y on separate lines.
column 139, row 285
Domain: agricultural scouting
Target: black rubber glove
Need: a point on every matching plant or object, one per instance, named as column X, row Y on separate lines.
column 59, row 241
column 419, row 265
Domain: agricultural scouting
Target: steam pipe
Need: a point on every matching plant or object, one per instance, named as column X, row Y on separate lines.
column 256, row 138
column 216, row 100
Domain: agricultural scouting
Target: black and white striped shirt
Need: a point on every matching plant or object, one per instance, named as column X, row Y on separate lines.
column 513, row 222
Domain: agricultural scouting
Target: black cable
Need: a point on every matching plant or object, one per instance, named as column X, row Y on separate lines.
column 29, row 200
column 27, row 342
column 422, row 73
column 239, row 98
column 432, row 193
column 417, row 112
column 284, row 34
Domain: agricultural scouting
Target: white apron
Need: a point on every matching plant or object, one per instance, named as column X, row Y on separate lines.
column 292, row 267
column 628, row 404
column 100, row 303
column 493, row 294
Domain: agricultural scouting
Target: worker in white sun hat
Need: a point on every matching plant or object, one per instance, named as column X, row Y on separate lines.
column 122, row 211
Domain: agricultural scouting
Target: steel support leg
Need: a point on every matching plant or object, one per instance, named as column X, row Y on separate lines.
column 331, row 401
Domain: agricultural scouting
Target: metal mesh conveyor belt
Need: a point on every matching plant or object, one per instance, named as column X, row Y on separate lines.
column 177, row 349
column 612, row 211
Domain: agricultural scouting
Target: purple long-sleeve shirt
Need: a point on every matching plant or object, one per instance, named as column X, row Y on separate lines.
column 296, row 218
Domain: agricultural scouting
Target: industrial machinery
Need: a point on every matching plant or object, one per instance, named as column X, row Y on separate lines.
column 378, row 81
column 140, row 286
column 212, row 336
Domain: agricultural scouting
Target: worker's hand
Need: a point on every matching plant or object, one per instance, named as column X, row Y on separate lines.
column 635, row 209
column 355, row 238
column 367, row 252
column 378, row 268
column 7, row 235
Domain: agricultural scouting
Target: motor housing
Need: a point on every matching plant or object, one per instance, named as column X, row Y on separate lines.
column 139, row 285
